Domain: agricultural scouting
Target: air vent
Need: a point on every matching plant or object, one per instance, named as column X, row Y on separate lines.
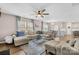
column 75, row 4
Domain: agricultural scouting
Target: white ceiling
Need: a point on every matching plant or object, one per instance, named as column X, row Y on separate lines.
column 57, row 11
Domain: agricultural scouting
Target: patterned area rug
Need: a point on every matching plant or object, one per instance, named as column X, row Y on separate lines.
column 35, row 47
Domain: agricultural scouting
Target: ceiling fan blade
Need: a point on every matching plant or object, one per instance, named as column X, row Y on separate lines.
column 42, row 16
column 43, row 10
column 34, row 11
column 45, row 13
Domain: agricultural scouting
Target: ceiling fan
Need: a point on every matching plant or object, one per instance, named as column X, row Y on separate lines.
column 41, row 13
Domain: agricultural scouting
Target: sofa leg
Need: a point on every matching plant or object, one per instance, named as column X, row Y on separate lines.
column 46, row 52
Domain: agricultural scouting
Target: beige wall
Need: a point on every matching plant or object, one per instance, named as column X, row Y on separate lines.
column 7, row 25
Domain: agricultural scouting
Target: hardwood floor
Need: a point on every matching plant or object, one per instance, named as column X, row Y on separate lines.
column 13, row 50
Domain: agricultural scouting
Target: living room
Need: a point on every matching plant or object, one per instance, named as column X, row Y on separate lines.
column 39, row 29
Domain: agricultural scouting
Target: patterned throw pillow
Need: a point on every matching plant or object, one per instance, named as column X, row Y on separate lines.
column 77, row 44
column 72, row 42
column 19, row 33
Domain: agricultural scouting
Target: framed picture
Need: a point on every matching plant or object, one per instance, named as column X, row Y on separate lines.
column 37, row 25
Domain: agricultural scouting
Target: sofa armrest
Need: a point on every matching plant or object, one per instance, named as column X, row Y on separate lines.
column 20, row 40
column 69, row 50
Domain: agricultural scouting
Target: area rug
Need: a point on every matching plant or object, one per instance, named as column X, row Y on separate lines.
column 34, row 47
